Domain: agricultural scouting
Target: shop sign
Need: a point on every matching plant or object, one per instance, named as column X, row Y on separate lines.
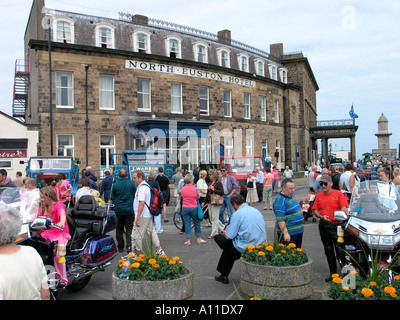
column 184, row 71
column 13, row 153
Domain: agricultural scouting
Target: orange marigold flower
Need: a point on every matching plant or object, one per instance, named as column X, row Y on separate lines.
column 269, row 248
column 175, row 258
column 291, row 245
column 299, row 250
column 172, row 262
column 337, row 280
column 389, row 290
column 335, row 275
column 372, row 284
column 397, row 278
column 283, row 251
column 393, row 295
column 281, row 245
column 346, row 289
column 367, row 292
column 261, row 253
column 156, row 265
column 152, row 261
column 136, row 265
column 163, row 256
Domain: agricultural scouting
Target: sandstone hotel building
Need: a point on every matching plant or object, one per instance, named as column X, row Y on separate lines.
column 114, row 81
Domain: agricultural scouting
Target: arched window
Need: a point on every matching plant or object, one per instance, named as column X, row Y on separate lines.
column 200, row 52
column 105, row 35
column 141, row 41
column 243, row 62
column 173, row 47
column 224, row 57
column 64, row 30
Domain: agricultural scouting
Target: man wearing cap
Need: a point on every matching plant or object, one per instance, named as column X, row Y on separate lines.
column 326, row 203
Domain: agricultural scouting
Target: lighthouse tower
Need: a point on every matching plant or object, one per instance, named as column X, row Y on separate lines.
column 383, row 135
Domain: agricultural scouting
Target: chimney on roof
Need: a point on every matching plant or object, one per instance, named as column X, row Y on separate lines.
column 276, row 50
column 140, row 20
column 224, row 36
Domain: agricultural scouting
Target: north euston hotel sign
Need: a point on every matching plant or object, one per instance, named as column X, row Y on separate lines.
column 183, row 71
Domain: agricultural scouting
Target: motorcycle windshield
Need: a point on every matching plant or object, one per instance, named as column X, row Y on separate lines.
column 376, row 201
column 24, row 200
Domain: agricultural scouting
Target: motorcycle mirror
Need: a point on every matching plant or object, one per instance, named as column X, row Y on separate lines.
column 340, row 215
column 40, row 223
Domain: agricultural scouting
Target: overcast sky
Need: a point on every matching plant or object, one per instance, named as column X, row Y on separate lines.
column 353, row 46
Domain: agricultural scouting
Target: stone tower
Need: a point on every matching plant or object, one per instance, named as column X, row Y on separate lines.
column 383, row 135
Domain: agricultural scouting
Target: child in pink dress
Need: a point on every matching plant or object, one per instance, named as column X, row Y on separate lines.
column 49, row 206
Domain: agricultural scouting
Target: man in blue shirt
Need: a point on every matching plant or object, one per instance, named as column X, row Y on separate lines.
column 246, row 227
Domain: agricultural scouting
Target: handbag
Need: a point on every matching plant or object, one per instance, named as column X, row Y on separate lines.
column 200, row 213
column 250, row 184
column 216, row 199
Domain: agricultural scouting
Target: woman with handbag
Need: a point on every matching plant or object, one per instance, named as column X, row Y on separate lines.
column 214, row 199
column 190, row 195
column 251, row 196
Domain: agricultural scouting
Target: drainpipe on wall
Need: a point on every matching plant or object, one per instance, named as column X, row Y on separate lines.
column 87, row 116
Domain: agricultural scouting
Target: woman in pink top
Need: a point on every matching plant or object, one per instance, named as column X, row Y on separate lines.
column 267, row 188
column 189, row 194
column 51, row 207
column 275, row 172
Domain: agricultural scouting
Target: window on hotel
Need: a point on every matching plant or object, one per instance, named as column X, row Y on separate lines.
column 176, row 98
column 227, row 103
column 249, row 146
column 200, row 52
column 223, row 58
column 64, row 30
column 276, row 111
column 273, row 72
column 173, row 46
column 141, row 41
column 64, row 90
column 263, row 108
column 144, row 95
column 247, row 114
column 283, row 74
column 65, row 145
column 105, row 36
column 259, row 66
column 106, row 93
column 243, row 61
column 204, row 101
column 107, row 147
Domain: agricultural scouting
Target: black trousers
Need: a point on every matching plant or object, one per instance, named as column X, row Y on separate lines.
column 124, row 227
column 229, row 255
column 328, row 234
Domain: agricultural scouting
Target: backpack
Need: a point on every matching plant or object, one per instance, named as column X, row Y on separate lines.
column 156, row 201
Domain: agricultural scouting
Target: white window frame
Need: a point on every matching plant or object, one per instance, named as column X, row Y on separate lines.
column 66, row 147
column 228, row 150
column 144, row 95
column 101, row 107
column 176, row 98
column 205, row 98
column 259, row 66
column 178, row 54
column 220, row 52
column 147, row 35
column 263, row 106
column 9, row 167
column 276, row 110
column 70, row 104
column 249, row 146
column 283, row 74
column 196, row 51
column 227, row 104
column 241, row 58
column 273, row 71
column 71, row 23
column 247, row 106
column 109, row 150
column 111, row 43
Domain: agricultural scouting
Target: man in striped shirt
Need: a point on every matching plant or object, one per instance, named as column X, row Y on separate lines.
column 289, row 217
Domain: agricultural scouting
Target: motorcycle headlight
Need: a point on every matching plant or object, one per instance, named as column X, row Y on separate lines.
column 382, row 242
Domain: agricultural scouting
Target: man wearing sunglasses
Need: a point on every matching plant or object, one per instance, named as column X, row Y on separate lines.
column 326, row 203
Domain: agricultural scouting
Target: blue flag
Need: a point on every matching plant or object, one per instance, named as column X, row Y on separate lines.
column 352, row 114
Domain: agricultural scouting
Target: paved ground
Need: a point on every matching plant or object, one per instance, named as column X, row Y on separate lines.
column 203, row 260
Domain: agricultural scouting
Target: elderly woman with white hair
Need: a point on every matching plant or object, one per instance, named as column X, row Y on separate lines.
column 22, row 273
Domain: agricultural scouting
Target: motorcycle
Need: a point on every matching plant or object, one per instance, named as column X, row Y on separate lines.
column 370, row 235
column 90, row 249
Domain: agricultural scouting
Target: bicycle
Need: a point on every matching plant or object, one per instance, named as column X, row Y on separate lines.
column 178, row 221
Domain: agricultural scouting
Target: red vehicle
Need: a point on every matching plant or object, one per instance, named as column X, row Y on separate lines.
column 239, row 166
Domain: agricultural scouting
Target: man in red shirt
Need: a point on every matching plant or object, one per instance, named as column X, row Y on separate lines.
column 326, row 203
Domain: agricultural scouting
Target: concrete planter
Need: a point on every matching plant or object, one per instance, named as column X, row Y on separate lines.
column 178, row 289
column 278, row 283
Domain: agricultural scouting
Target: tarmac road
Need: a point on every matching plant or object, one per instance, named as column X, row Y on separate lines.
column 203, row 260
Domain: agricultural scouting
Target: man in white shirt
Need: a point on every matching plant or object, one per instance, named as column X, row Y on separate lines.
column 288, row 173
column 144, row 236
